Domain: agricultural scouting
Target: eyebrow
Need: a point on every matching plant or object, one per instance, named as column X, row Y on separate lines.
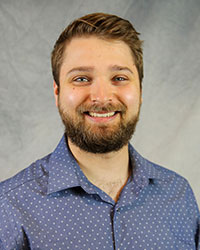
column 119, row 68
column 81, row 69
column 90, row 69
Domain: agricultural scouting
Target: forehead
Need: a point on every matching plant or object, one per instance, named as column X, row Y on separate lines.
column 93, row 49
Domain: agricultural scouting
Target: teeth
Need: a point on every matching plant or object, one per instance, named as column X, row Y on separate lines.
column 101, row 115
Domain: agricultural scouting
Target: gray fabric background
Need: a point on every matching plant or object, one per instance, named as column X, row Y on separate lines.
column 168, row 131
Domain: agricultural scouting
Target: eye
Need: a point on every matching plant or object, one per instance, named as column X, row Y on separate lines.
column 119, row 79
column 81, row 79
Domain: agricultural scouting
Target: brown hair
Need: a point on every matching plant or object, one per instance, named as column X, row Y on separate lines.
column 105, row 26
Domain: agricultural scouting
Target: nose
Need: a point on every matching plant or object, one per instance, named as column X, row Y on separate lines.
column 101, row 91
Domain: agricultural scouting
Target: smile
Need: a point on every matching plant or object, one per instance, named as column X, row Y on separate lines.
column 101, row 114
column 101, row 117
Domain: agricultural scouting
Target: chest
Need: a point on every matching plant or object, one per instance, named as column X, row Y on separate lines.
column 85, row 222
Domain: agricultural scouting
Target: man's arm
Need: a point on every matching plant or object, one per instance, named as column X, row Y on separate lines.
column 198, row 235
column 194, row 214
column 11, row 235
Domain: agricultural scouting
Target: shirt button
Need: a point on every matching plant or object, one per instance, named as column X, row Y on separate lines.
column 118, row 209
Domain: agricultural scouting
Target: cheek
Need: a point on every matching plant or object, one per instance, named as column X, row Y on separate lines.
column 131, row 97
column 72, row 98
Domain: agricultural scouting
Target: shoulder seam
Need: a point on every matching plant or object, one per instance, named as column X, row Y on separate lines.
column 3, row 194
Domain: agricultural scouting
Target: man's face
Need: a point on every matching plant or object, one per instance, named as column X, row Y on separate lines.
column 99, row 96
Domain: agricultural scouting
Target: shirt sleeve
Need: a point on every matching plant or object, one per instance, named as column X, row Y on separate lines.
column 6, row 233
column 198, row 235
column 194, row 215
column 10, row 236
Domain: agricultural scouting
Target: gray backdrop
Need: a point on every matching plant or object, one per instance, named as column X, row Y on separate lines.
column 168, row 131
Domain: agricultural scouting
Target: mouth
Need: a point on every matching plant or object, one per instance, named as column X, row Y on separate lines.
column 101, row 116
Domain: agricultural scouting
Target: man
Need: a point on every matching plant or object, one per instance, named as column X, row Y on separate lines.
column 95, row 191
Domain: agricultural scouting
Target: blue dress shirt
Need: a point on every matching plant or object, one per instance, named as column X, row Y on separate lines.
column 52, row 205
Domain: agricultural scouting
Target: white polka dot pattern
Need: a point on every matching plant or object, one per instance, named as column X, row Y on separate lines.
column 52, row 205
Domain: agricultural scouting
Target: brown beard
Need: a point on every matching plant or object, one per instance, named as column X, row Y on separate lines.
column 106, row 138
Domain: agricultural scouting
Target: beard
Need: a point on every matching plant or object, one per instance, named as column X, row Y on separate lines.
column 98, row 138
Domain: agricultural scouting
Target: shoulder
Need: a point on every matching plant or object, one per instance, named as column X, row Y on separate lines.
column 169, row 178
column 165, row 172
column 174, row 185
column 168, row 181
column 35, row 171
column 152, row 169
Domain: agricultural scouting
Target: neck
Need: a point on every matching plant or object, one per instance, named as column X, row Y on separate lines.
column 108, row 171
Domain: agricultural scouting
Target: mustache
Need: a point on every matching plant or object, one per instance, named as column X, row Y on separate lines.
column 83, row 108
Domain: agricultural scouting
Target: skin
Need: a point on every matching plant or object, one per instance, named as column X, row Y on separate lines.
column 108, row 75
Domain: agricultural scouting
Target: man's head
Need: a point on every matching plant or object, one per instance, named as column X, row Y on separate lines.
column 104, row 26
column 97, row 84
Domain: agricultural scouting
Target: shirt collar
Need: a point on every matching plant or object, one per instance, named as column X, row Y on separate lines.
column 64, row 171
column 145, row 170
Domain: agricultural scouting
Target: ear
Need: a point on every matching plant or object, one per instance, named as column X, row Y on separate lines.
column 56, row 92
column 141, row 99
